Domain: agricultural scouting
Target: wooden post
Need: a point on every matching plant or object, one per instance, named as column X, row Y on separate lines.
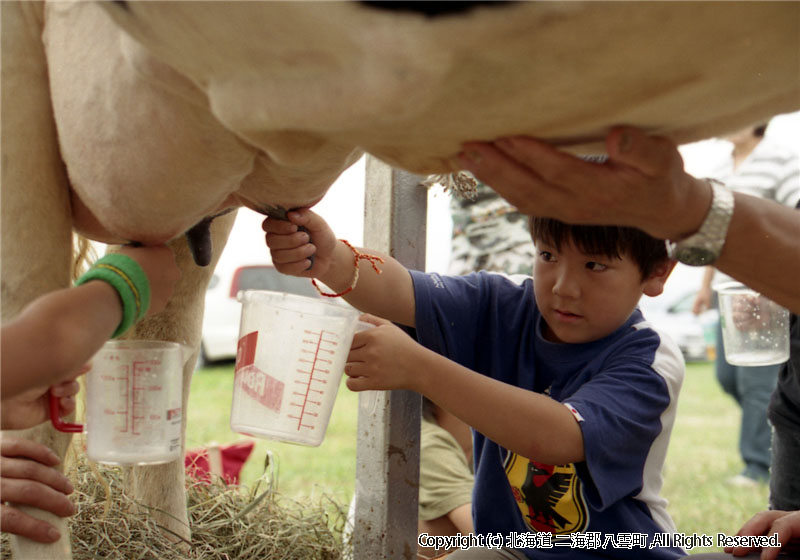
column 387, row 455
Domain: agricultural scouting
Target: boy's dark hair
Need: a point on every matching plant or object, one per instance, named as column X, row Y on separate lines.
column 611, row 241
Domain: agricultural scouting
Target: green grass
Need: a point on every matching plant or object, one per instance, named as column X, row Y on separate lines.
column 702, row 455
column 302, row 471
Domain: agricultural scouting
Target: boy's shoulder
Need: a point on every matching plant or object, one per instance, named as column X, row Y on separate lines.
column 667, row 358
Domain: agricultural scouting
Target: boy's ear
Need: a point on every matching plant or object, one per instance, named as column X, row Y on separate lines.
column 654, row 284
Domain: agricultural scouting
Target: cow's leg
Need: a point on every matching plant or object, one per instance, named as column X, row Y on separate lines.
column 162, row 486
column 36, row 224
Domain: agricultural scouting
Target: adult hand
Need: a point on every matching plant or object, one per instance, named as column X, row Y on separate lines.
column 28, row 478
column 32, row 407
column 158, row 262
column 785, row 523
column 642, row 184
column 702, row 301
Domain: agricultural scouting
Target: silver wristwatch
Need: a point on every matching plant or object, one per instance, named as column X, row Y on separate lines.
column 704, row 247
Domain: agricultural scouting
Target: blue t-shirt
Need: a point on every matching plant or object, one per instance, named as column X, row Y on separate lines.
column 621, row 389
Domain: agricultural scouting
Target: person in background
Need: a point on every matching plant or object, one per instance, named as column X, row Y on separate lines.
column 644, row 185
column 761, row 167
column 71, row 324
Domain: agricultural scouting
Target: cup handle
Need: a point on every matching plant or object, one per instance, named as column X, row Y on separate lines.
column 56, row 420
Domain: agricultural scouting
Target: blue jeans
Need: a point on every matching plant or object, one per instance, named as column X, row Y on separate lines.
column 784, row 485
column 751, row 388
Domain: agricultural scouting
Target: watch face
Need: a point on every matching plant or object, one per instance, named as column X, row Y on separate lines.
column 695, row 256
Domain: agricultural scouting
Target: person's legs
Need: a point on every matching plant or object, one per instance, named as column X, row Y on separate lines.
column 755, row 385
column 784, row 484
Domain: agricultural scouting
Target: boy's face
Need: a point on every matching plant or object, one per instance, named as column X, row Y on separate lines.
column 585, row 297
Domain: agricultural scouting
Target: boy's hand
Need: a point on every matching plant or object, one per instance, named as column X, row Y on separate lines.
column 28, row 478
column 382, row 358
column 31, row 408
column 158, row 262
column 290, row 248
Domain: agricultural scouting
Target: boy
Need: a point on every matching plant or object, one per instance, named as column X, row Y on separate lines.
column 570, row 394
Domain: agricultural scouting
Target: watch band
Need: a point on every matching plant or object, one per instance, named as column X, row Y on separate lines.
column 704, row 247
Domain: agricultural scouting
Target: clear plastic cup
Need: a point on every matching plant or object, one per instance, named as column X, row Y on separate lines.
column 755, row 330
column 133, row 403
column 289, row 363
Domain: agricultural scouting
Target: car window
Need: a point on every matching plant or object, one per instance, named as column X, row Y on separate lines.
column 267, row 278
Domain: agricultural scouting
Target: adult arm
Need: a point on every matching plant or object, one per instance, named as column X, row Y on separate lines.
column 643, row 185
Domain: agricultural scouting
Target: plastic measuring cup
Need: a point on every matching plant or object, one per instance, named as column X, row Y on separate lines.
column 133, row 403
column 755, row 330
column 289, row 362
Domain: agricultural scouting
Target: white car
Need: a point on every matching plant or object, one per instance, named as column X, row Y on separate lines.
column 223, row 310
column 694, row 334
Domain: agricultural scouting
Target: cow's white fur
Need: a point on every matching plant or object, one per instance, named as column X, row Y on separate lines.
column 266, row 103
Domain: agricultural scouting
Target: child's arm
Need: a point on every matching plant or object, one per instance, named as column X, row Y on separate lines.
column 528, row 423
column 389, row 295
column 60, row 331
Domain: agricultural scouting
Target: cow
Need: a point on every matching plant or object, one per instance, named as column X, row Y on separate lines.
column 144, row 121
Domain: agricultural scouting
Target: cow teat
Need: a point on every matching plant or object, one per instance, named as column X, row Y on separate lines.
column 199, row 239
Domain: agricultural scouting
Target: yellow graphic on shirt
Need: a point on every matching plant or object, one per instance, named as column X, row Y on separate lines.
column 550, row 497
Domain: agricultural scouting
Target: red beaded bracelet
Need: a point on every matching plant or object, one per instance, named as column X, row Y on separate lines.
column 356, row 257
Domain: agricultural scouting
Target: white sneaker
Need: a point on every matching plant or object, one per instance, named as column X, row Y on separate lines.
column 743, row 481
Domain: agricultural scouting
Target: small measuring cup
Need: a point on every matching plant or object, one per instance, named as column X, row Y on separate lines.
column 289, row 362
column 133, row 403
column 755, row 330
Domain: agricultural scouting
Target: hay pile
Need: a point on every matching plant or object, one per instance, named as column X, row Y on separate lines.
column 228, row 523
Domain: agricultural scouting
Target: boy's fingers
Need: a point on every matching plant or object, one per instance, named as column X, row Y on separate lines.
column 66, row 389
column 276, row 225
column 278, row 242
column 66, row 406
column 357, row 384
column 14, row 521
column 373, row 320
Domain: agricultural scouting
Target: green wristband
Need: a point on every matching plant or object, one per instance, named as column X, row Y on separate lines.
column 130, row 281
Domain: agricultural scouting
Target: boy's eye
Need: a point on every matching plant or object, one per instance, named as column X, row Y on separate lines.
column 546, row 256
column 596, row 266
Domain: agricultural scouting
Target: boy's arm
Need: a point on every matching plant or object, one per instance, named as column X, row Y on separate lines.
column 528, row 423
column 389, row 294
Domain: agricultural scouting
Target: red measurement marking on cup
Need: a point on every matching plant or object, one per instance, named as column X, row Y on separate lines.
column 316, row 358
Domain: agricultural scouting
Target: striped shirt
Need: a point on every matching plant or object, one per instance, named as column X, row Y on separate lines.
column 771, row 171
